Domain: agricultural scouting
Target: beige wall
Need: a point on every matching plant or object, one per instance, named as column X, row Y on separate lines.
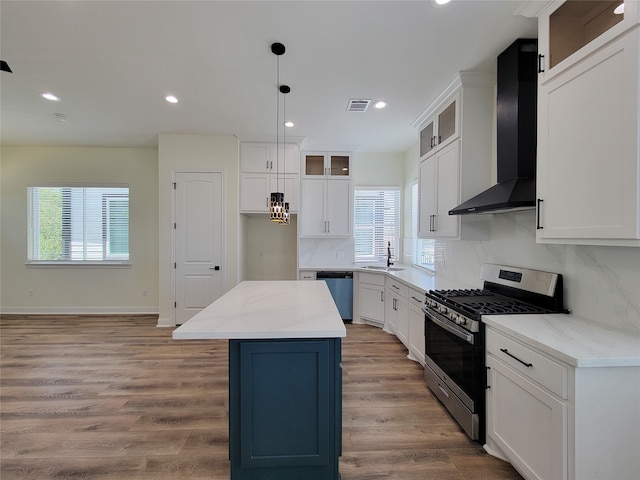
column 68, row 289
column 211, row 153
column 378, row 169
column 271, row 249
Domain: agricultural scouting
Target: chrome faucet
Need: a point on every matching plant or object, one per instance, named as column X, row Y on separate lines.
column 389, row 262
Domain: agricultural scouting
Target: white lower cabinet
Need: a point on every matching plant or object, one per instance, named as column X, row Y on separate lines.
column 527, row 423
column 371, row 298
column 397, row 310
column 555, row 421
column 416, row 326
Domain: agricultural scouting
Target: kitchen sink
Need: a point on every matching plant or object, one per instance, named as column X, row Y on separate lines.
column 386, row 269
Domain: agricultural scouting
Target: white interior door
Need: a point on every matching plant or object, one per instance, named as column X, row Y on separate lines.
column 198, row 244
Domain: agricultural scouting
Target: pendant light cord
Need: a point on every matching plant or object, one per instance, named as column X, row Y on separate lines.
column 278, row 123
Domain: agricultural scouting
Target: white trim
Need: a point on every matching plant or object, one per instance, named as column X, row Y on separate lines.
column 85, row 310
column 165, row 322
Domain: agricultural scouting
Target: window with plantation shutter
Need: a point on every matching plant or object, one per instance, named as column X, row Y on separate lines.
column 78, row 224
column 376, row 223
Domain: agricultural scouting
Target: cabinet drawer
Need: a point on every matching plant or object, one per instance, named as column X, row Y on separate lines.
column 416, row 297
column 539, row 368
column 372, row 278
column 398, row 288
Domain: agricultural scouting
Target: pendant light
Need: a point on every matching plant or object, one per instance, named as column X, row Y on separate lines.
column 284, row 89
column 277, row 204
column 278, row 208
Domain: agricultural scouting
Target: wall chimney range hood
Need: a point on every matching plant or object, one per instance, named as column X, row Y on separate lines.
column 516, row 117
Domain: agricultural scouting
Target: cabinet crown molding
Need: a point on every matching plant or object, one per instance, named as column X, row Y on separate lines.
column 532, row 8
column 462, row 79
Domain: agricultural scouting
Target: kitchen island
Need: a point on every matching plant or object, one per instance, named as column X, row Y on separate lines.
column 285, row 377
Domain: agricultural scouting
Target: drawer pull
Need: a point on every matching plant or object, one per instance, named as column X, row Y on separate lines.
column 443, row 390
column 506, row 352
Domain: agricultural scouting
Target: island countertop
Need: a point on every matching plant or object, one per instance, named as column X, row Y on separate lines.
column 267, row 310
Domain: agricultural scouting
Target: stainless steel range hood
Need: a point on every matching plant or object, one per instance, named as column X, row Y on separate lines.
column 516, row 134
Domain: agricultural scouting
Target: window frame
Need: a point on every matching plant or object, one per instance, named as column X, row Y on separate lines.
column 419, row 245
column 106, row 202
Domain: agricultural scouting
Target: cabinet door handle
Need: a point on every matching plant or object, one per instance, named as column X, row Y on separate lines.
column 506, row 352
column 540, row 63
column 538, row 226
column 382, row 296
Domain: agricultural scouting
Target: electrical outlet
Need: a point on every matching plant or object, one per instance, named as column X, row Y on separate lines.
column 145, row 292
column 30, row 293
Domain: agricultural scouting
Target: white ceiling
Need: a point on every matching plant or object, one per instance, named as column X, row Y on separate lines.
column 112, row 62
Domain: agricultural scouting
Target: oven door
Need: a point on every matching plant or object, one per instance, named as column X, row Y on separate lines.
column 455, row 356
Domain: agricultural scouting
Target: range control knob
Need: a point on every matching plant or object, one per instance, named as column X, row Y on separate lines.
column 443, row 310
column 462, row 321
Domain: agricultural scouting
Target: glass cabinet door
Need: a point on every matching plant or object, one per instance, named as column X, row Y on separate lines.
column 578, row 22
column 427, row 139
column 447, row 123
column 314, row 165
column 339, row 165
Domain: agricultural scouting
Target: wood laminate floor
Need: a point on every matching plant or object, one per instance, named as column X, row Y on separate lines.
column 95, row 397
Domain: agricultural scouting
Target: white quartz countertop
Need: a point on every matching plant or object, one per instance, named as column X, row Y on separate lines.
column 574, row 340
column 267, row 310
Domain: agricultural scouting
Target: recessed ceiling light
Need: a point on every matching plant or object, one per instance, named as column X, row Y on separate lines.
column 171, row 99
column 50, row 96
column 442, row 2
column 380, row 104
column 289, row 124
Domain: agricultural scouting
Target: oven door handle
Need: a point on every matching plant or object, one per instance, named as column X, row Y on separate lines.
column 467, row 337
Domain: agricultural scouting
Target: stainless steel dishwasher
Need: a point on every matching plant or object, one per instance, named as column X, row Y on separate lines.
column 341, row 287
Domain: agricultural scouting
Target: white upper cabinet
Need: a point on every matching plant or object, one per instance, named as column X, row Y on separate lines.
column 571, row 30
column 269, row 158
column 326, row 165
column 325, row 208
column 455, row 164
column 442, row 128
column 588, row 164
column 261, row 173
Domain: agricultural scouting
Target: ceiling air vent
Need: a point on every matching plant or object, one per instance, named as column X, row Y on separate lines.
column 358, row 104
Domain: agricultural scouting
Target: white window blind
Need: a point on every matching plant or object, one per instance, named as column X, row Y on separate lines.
column 376, row 223
column 74, row 224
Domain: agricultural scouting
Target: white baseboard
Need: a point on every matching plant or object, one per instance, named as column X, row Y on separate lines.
column 8, row 310
column 165, row 322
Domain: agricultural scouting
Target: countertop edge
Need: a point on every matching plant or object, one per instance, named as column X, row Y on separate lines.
column 573, row 340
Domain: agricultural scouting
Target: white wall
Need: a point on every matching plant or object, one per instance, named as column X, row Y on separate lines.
column 601, row 284
column 215, row 153
column 73, row 289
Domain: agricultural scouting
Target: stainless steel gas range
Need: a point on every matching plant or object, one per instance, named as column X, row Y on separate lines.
column 454, row 334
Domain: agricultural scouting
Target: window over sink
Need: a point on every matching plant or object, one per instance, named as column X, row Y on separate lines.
column 376, row 223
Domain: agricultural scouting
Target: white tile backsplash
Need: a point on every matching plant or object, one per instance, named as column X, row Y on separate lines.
column 601, row 284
